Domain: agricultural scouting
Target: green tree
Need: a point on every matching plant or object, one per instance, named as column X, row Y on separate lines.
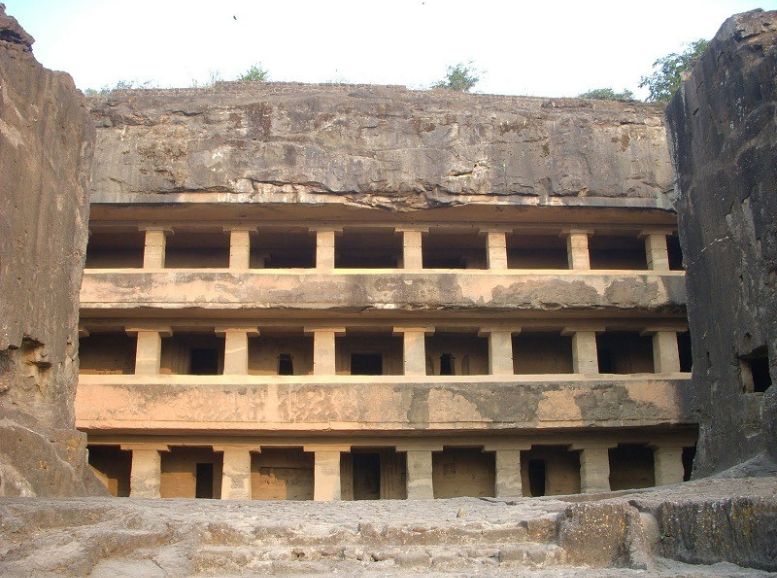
column 255, row 74
column 461, row 77
column 668, row 71
column 607, row 94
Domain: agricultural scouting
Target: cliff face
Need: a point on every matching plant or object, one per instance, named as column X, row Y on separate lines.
column 378, row 146
column 46, row 143
column 725, row 149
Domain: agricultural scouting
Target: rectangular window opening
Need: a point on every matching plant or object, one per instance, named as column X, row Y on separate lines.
column 536, row 478
column 366, row 364
column 447, row 366
column 204, row 362
column 754, row 371
column 204, row 484
column 285, row 364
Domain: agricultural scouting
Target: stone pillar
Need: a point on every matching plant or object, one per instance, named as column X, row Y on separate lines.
column 154, row 247
column 419, row 475
column 578, row 256
column 412, row 247
column 326, row 478
column 496, row 245
column 668, row 463
column 500, row 350
column 666, row 354
column 148, row 352
column 324, row 353
column 325, row 248
column 414, row 348
column 656, row 252
column 239, row 247
column 594, row 469
column 508, row 473
column 584, row 354
column 146, row 472
column 236, row 472
column 236, row 348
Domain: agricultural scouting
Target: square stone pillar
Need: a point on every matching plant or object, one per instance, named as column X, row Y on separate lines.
column 154, row 247
column 146, row 472
column 326, row 473
column 412, row 247
column 148, row 351
column 419, row 474
column 500, row 350
column 236, row 348
column 584, row 352
column 666, row 353
column 325, row 247
column 668, row 464
column 496, row 249
column 239, row 247
column 235, row 472
column 414, row 348
column 656, row 251
column 578, row 255
column 594, row 469
column 508, row 473
column 324, row 353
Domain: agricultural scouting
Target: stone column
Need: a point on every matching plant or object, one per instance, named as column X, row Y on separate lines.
column 419, row 475
column 594, row 469
column 496, row 245
column 325, row 248
column 666, row 354
column 154, row 247
column 236, row 348
column 508, row 473
column 146, row 472
column 324, row 353
column 656, row 252
column 326, row 474
column 577, row 249
column 148, row 351
column 412, row 247
column 500, row 350
column 236, row 472
column 668, row 464
column 414, row 348
column 239, row 247
column 584, row 354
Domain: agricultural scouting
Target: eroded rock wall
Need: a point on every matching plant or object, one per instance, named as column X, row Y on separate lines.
column 724, row 133
column 378, row 146
column 46, row 144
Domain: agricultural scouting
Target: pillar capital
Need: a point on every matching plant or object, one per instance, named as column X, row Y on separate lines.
column 324, row 228
column 224, row 329
column 497, row 446
column 665, row 232
column 486, row 331
column 143, row 446
column 570, row 331
column 411, row 228
column 322, row 447
column 402, row 329
column 151, row 227
column 253, row 448
column 336, row 330
column 238, row 228
column 422, row 446
column 163, row 331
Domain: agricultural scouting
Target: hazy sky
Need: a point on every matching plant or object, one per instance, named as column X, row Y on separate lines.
column 549, row 48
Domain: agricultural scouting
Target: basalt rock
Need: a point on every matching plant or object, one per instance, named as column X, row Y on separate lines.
column 46, row 143
column 379, row 146
column 724, row 132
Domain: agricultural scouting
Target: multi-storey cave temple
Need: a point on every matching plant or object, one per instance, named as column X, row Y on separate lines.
column 351, row 292
column 295, row 294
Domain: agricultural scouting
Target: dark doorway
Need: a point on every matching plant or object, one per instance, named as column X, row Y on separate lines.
column 688, row 455
column 285, row 365
column 366, row 364
column 204, row 487
column 446, row 364
column 366, row 476
column 537, row 478
column 684, row 349
column 204, row 362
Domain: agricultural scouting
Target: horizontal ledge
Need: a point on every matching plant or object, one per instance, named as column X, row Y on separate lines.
column 572, row 378
column 346, row 272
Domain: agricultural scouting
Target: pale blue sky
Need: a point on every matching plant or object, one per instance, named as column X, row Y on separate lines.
column 551, row 48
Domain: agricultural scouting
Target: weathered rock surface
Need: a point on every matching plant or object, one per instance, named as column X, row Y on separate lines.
column 378, row 146
column 46, row 142
column 639, row 533
column 724, row 130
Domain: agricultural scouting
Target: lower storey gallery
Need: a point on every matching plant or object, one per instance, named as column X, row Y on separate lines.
column 415, row 471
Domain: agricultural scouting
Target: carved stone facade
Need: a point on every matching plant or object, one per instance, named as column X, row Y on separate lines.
column 347, row 292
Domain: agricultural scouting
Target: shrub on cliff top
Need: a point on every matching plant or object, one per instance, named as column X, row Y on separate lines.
column 607, row 94
column 669, row 71
column 255, row 74
column 461, row 77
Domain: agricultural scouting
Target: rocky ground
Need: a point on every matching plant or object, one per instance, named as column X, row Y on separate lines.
column 655, row 532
